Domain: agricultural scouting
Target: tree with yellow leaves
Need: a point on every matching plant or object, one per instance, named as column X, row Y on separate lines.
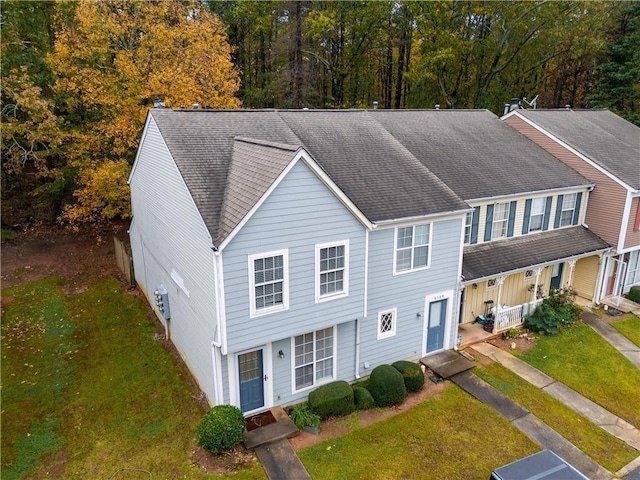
column 108, row 63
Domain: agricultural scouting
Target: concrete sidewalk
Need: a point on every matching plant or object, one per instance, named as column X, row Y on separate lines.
column 591, row 410
column 625, row 346
column 530, row 425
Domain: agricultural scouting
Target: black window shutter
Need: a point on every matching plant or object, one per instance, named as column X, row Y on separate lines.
column 547, row 213
column 527, row 216
column 489, row 223
column 512, row 218
column 576, row 212
column 556, row 222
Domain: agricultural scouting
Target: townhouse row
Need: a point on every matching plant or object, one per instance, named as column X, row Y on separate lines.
column 285, row 249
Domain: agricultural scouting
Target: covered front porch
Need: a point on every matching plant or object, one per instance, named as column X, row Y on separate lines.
column 504, row 281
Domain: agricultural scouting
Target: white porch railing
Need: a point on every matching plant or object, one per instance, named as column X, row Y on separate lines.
column 510, row 317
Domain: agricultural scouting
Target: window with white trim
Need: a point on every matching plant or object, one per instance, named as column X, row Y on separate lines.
column 500, row 220
column 536, row 217
column 412, row 248
column 467, row 228
column 492, row 283
column 387, row 323
column 332, row 270
column 313, row 358
column 268, row 279
column 568, row 209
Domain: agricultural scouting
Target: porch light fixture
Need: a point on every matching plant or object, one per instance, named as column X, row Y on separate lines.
column 281, row 354
column 418, row 315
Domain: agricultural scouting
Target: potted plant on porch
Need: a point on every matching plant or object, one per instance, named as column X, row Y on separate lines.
column 305, row 419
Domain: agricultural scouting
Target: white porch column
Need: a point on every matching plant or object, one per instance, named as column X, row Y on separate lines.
column 499, row 281
column 572, row 266
column 537, row 271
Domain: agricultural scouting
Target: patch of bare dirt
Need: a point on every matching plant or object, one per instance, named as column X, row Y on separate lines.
column 224, row 464
column 523, row 342
column 76, row 257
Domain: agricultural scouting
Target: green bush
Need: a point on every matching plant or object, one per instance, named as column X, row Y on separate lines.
column 634, row 294
column 411, row 373
column 332, row 400
column 362, row 398
column 387, row 386
column 221, row 429
column 302, row 416
column 558, row 310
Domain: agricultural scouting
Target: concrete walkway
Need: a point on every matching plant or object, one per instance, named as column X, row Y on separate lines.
column 273, row 449
column 625, row 346
column 530, row 425
column 591, row 410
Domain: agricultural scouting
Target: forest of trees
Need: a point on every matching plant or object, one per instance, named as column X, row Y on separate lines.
column 79, row 76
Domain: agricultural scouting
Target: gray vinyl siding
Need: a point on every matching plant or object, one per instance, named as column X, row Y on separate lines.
column 407, row 293
column 344, row 356
column 169, row 234
column 300, row 213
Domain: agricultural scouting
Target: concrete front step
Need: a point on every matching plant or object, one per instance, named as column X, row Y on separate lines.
column 448, row 363
column 283, row 428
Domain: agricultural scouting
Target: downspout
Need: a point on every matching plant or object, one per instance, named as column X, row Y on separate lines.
column 357, row 365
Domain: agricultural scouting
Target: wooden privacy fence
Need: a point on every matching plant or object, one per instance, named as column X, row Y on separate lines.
column 124, row 260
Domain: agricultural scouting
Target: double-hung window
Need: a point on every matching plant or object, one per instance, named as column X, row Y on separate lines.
column 568, row 208
column 467, row 228
column 412, row 248
column 268, row 279
column 332, row 271
column 313, row 355
column 500, row 220
column 536, row 218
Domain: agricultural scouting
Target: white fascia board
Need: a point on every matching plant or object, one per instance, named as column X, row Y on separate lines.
column 398, row 222
column 465, row 282
column 625, row 222
column 144, row 134
column 301, row 154
column 572, row 150
column 572, row 189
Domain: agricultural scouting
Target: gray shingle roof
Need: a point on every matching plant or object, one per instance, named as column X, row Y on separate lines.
column 602, row 136
column 382, row 178
column 376, row 172
column 255, row 165
column 201, row 143
column 502, row 256
column 475, row 153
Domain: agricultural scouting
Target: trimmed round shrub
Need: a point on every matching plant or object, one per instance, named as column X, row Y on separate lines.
column 387, row 386
column 634, row 294
column 411, row 373
column 362, row 398
column 332, row 400
column 221, row 429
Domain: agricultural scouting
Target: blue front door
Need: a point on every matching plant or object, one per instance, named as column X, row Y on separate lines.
column 556, row 277
column 435, row 327
column 251, row 380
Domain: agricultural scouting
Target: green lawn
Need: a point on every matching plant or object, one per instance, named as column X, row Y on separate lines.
column 585, row 362
column 87, row 392
column 451, row 437
column 604, row 448
column 629, row 327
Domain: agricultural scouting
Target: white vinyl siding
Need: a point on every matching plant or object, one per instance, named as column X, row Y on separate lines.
column 412, row 248
column 332, row 271
column 387, row 323
column 568, row 208
column 314, row 358
column 268, row 281
column 500, row 221
column 537, row 214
